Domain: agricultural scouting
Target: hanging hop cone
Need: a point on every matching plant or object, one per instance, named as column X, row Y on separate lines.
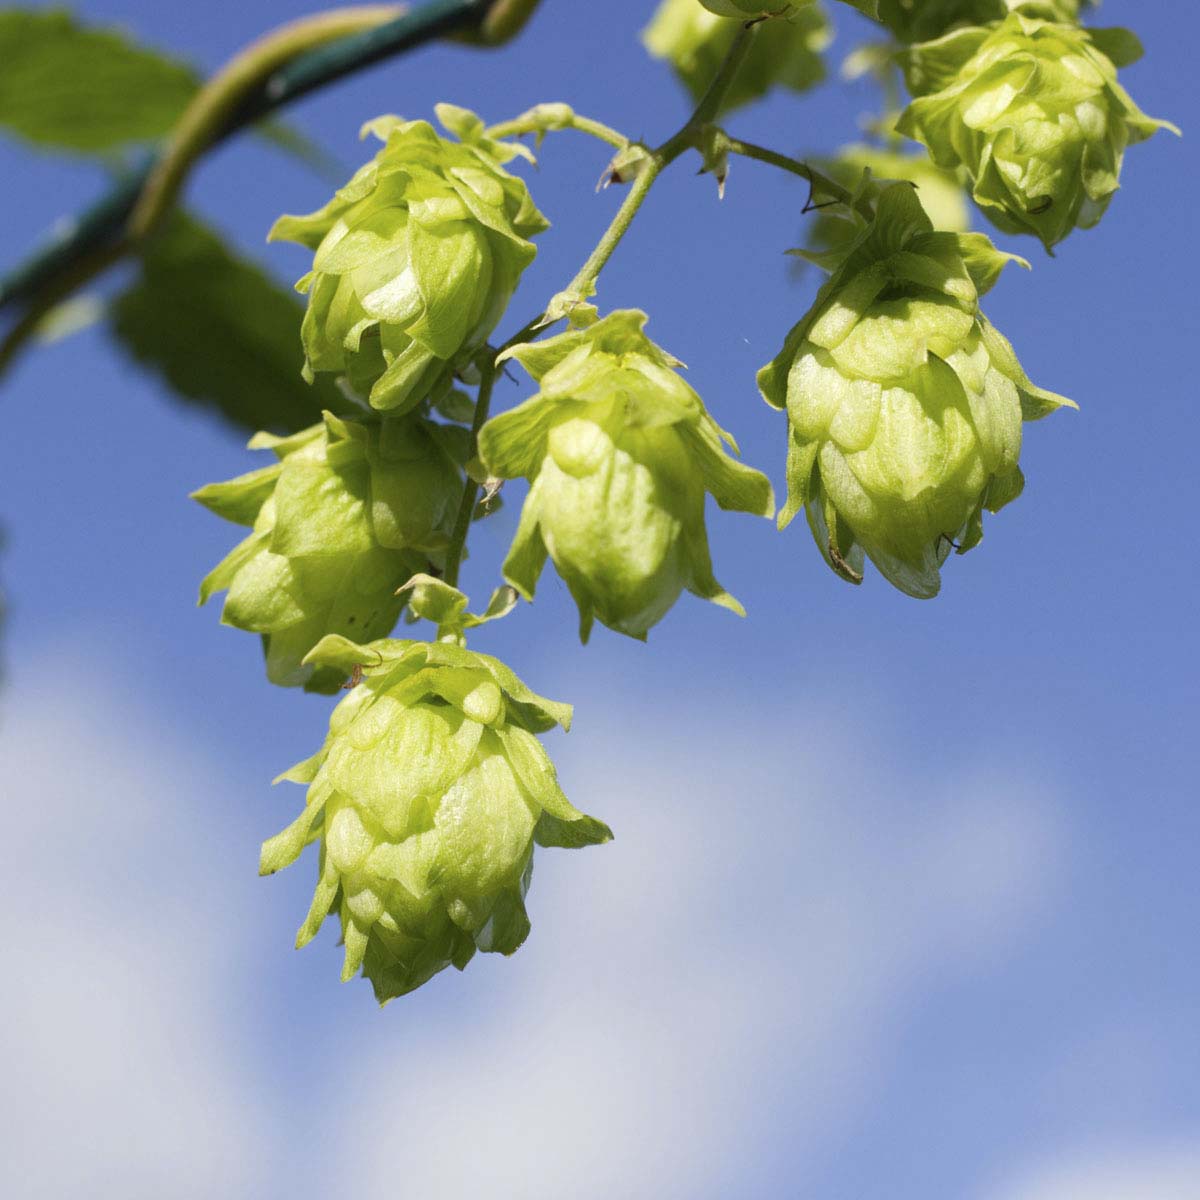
column 426, row 802
column 416, row 258
column 695, row 42
column 904, row 404
column 619, row 452
column 345, row 517
column 1032, row 111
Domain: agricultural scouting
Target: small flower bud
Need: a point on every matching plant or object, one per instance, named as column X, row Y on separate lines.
column 619, row 452
column 416, row 258
column 904, row 403
column 426, row 802
column 1033, row 112
column 348, row 514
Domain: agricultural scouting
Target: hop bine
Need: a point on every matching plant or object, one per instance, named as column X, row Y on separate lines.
column 620, row 453
column 904, row 403
column 426, row 802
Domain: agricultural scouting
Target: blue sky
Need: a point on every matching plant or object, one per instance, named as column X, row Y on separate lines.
column 903, row 897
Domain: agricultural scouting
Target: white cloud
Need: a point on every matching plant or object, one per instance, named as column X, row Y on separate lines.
column 122, row 1073
column 1156, row 1173
column 727, row 969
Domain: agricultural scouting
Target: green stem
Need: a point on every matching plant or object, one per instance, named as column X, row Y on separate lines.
column 549, row 118
column 713, row 99
column 817, row 180
column 483, row 404
column 656, row 161
column 104, row 223
column 470, row 495
column 208, row 113
column 584, row 283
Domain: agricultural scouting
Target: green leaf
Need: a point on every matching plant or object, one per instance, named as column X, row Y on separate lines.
column 66, row 87
column 220, row 332
column 84, row 90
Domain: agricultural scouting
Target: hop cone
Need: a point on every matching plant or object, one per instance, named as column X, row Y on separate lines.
column 695, row 42
column 620, row 452
column 345, row 517
column 904, row 404
column 416, row 258
column 426, row 801
column 1032, row 111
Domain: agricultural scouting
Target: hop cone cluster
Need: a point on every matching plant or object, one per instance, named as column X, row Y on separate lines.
column 345, row 517
column 1032, row 111
column 416, row 258
column 904, row 404
column 695, row 43
column 426, row 801
column 620, row 453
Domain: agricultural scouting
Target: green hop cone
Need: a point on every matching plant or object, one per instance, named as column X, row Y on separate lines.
column 904, row 404
column 416, row 258
column 695, row 43
column 426, row 801
column 1033, row 112
column 346, row 516
column 619, row 452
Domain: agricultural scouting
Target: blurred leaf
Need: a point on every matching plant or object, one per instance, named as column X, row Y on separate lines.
column 92, row 91
column 220, row 332
column 85, row 90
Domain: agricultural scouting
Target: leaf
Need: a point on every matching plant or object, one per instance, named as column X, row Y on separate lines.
column 84, row 90
column 220, row 332
column 92, row 91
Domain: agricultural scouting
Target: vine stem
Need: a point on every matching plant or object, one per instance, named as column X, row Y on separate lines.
column 584, row 283
column 538, row 120
column 656, row 161
column 818, row 181
column 215, row 103
column 489, row 369
column 102, row 225
column 470, row 494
